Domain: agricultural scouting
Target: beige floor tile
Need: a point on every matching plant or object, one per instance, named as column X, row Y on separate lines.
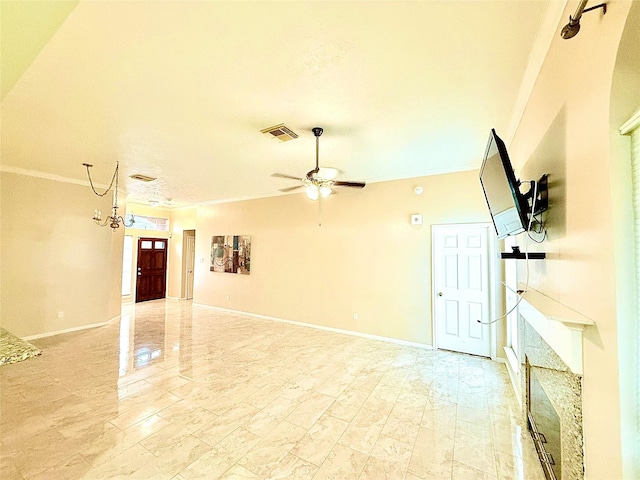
column 172, row 461
column 113, row 441
column 221, row 457
column 237, row 472
column 389, row 459
column 231, row 396
column 293, row 468
column 215, row 431
column 123, row 465
column 517, row 468
column 432, row 455
column 341, row 463
column 475, row 452
column 310, row 409
column 465, row 472
column 348, row 403
column 316, row 444
column 363, row 431
column 265, row 456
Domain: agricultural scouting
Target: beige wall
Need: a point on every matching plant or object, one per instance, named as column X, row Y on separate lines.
column 625, row 98
column 366, row 258
column 565, row 131
column 181, row 220
column 54, row 258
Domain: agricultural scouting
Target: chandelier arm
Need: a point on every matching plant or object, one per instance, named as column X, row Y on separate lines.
column 102, row 224
column 128, row 225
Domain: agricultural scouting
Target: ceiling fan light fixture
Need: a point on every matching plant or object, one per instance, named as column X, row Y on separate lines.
column 325, row 191
column 312, row 192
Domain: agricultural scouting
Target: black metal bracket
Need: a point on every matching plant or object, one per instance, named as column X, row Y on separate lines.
column 541, row 188
column 603, row 6
column 516, row 254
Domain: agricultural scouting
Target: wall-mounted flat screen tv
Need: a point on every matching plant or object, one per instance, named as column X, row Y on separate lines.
column 509, row 208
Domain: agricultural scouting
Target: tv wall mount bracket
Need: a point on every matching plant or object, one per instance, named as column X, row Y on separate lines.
column 538, row 205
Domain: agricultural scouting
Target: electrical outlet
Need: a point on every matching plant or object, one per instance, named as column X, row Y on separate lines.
column 355, row 316
column 60, row 314
column 228, row 297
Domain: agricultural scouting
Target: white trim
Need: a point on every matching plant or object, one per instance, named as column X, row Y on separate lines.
column 50, row 176
column 631, row 124
column 322, row 327
column 72, row 329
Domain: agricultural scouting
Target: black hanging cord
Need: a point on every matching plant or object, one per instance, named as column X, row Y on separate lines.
column 113, row 179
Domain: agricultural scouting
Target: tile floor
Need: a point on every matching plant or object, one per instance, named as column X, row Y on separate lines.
column 175, row 391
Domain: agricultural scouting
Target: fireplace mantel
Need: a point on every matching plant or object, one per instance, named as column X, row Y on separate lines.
column 560, row 326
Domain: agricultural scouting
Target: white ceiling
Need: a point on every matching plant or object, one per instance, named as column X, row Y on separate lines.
column 179, row 90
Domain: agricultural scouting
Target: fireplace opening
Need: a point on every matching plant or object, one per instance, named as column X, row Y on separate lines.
column 544, row 426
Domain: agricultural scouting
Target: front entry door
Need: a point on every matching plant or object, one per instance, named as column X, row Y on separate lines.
column 461, row 288
column 151, row 281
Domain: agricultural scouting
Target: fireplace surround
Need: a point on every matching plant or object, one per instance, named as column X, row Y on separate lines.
column 551, row 383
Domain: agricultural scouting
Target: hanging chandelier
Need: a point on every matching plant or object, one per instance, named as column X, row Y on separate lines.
column 114, row 220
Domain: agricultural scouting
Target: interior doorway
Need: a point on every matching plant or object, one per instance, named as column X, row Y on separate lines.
column 462, row 276
column 188, row 262
column 151, row 275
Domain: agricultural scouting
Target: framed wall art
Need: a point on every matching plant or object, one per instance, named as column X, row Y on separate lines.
column 231, row 254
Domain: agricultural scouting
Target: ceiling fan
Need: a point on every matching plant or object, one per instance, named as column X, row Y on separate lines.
column 319, row 182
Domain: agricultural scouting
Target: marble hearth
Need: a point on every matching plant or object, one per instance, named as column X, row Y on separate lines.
column 551, row 382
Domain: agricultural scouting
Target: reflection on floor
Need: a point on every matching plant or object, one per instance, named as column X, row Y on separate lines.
column 178, row 391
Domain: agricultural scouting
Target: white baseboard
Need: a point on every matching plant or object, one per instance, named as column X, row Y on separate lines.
column 72, row 329
column 322, row 327
column 513, row 369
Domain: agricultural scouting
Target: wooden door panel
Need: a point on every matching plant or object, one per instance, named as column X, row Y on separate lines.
column 152, row 269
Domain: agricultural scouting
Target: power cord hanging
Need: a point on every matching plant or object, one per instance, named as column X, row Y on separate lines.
column 526, row 255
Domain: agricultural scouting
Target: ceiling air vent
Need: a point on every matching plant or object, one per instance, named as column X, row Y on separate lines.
column 281, row 132
column 142, row 178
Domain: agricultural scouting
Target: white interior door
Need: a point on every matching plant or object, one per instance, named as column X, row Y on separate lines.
column 461, row 280
column 190, row 259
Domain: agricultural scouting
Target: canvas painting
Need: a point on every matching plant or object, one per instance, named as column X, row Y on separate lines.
column 231, row 254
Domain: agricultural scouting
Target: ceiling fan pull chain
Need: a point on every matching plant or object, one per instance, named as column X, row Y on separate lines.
column 320, row 211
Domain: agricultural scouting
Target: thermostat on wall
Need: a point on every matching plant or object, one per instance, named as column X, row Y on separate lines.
column 416, row 219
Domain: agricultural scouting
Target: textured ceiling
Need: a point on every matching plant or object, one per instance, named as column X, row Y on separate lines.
column 179, row 90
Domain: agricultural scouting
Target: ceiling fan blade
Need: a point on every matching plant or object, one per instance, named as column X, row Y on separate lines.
column 282, row 175
column 338, row 183
column 290, row 189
